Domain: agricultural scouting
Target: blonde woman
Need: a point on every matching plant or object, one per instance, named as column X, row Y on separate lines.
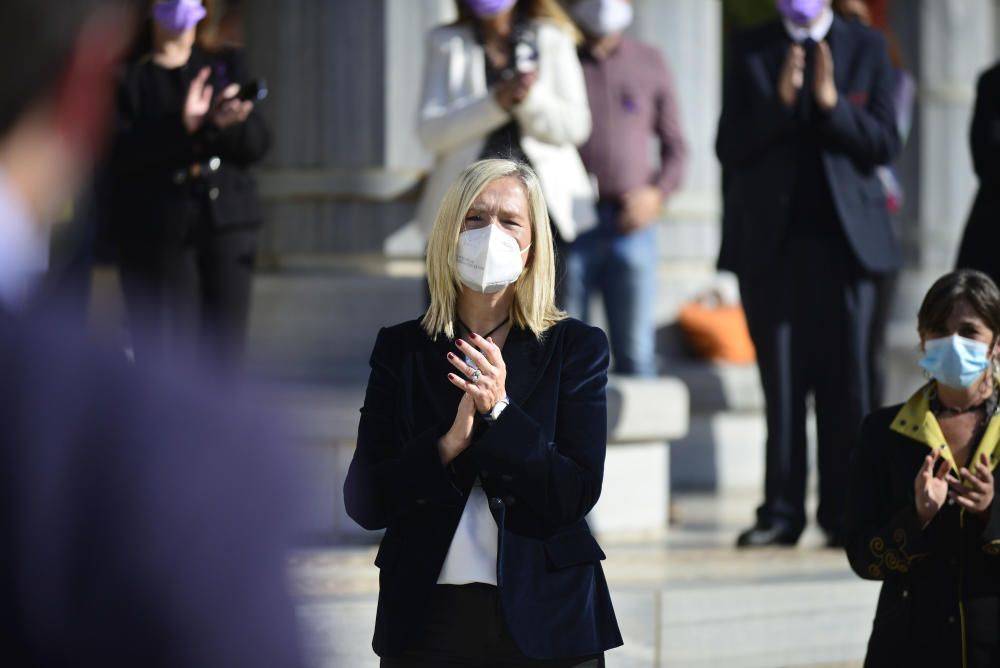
column 504, row 81
column 481, row 449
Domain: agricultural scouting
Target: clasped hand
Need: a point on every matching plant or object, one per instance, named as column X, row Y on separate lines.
column 932, row 489
column 481, row 396
column 792, row 76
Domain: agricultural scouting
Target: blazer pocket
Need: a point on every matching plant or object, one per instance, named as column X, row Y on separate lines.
column 572, row 549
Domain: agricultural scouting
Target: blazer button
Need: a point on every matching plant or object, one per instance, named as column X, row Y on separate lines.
column 496, row 504
column 213, row 194
column 507, row 478
column 906, row 593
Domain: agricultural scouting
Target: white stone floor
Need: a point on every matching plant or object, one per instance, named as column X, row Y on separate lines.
column 683, row 598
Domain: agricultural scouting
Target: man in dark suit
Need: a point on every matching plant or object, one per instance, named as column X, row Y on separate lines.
column 982, row 233
column 144, row 515
column 807, row 117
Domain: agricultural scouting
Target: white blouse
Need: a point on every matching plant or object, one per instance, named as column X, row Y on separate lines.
column 472, row 556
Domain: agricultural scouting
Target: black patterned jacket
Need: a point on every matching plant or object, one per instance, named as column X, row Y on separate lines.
column 940, row 598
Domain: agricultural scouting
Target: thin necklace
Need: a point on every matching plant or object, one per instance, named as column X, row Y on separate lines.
column 468, row 330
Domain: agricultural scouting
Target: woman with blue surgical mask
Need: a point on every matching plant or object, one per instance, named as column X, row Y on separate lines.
column 922, row 514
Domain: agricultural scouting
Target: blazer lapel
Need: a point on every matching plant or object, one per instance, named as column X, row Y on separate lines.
column 774, row 56
column 432, row 369
column 525, row 358
column 841, row 48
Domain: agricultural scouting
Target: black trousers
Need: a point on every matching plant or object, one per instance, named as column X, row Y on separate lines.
column 810, row 318
column 464, row 627
column 191, row 295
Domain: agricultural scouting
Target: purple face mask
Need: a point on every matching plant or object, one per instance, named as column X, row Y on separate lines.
column 801, row 12
column 178, row 16
column 487, row 8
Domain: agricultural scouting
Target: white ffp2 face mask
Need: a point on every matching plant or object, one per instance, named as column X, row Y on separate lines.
column 488, row 259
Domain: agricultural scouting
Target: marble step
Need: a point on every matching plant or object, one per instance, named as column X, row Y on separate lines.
column 743, row 625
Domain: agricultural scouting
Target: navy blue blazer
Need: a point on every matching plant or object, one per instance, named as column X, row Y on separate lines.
column 756, row 145
column 541, row 465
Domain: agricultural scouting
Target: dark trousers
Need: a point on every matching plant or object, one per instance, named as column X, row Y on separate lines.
column 810, row 318
column 464, row 627
column 191, row 295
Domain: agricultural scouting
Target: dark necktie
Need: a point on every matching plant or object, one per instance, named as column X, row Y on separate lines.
column 808, row 75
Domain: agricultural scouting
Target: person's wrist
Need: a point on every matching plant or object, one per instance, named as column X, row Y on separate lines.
column 448, row 447
column 494, row 411
column 925, row 512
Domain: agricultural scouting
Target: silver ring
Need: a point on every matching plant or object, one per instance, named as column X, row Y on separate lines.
column 475, row 376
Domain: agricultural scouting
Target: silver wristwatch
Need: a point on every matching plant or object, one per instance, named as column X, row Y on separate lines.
column 496, row 410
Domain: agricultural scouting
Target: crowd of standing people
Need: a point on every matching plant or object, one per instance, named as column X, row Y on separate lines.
column 482, row 438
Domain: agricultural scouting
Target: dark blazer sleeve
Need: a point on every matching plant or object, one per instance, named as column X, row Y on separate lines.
column 882, row 539
column 752, row 118
column 244, row 143
column 867, row 133
column 990, row 535
column 984, row 134
column 560, row 481
column 385, row 471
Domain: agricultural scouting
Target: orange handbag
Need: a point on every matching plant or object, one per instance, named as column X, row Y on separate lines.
column 717, row 331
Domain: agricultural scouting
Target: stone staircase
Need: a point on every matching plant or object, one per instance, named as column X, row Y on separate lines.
column 683, row 599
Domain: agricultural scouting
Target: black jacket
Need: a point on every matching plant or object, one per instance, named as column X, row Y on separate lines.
column 156, row 199
column 541, row 465
column 940, row 585
column 982, row 231
column 758, row 139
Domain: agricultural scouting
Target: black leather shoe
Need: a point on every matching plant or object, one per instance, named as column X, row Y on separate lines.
column 768, row 535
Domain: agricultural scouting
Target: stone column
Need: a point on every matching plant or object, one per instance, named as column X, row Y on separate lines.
column 345, row 84
column 957, row 41
column 688, row 33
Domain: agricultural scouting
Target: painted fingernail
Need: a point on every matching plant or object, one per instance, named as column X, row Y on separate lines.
column 460, row 342
column 451, row 355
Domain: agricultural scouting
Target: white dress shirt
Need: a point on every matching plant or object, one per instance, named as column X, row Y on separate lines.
column 817, row 31
column 24, row 249
column 472, row 556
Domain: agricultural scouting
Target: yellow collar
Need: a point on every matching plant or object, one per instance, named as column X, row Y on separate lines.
column 916, row 421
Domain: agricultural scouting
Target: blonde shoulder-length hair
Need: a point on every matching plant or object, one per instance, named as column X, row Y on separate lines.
column 534, row 305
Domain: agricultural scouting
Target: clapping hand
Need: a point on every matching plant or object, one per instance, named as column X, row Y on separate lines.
column 978, row 497
column 487, row 380
column 198, row 101
column 824, row 85
column 930, row 489
column 792, row 75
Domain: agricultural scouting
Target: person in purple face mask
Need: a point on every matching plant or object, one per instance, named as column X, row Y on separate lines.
column 922, row 514
column 503, row 81
column 185, row 205
column 807, row 118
